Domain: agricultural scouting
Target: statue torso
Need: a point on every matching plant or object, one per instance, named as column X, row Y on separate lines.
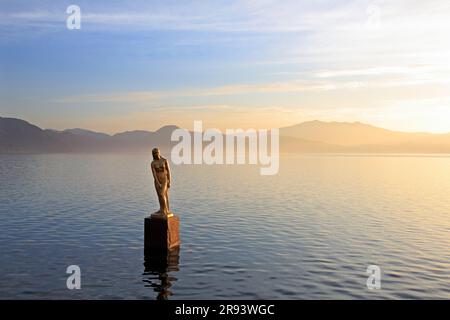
column 159, row 165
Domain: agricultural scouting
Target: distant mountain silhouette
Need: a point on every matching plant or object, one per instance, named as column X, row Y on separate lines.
column 87, row 133
column 19, row 136
column 360, row 137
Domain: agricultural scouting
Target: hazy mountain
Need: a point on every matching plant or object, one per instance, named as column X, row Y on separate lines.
column 299, row 145
column 19, row 136
column 353, row 134
column 88, row 133
column 360, row 137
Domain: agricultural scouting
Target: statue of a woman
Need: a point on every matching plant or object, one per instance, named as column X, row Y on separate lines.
column 161, row 174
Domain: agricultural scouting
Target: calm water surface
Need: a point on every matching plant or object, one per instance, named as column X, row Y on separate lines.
column 308, row 232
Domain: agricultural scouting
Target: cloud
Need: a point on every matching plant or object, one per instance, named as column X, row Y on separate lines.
column 133, row 97
column 320, row 56
column 228, row 90
column 373, row 71
column 230, row 16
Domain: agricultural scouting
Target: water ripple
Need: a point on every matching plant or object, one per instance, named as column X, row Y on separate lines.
column 307, row 233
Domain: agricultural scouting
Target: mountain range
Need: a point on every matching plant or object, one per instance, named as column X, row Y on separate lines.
column 19, row 136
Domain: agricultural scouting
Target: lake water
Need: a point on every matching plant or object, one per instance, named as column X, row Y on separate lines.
column 309, row 232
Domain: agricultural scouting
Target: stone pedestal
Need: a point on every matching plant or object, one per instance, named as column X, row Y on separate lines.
column 161, row 233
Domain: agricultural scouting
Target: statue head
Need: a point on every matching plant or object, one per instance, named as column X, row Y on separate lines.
column 156, row 154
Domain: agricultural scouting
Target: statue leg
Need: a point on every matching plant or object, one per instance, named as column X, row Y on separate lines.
column 166, row 197
column 160, row 198
column 164, row 205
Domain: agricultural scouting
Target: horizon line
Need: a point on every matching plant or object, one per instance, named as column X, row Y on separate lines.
column 168, row 125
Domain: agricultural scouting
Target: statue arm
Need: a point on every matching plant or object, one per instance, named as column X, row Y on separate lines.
column 154, row 173
column 169, row 178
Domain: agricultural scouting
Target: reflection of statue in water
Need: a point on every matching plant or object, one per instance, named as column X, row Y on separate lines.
column 156, row 272
column 161, row 174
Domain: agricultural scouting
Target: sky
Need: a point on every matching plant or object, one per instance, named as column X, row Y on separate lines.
column 232, row 64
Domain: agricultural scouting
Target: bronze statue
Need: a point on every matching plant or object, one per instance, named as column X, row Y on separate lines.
column 161, row 174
